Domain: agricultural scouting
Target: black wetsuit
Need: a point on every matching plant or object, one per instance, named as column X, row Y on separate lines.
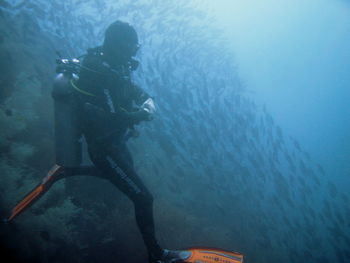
column 106, row 99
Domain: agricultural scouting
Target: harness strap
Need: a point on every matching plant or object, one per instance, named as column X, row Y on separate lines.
column 80, row 90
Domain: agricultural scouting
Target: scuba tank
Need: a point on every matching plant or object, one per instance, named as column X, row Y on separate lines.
column 68, row 146
column 67, row 135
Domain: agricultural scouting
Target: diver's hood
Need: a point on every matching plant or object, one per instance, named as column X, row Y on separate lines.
column 121, row 41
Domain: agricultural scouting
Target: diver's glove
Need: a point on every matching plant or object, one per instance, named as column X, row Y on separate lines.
column 149, row 106
column 145, row 113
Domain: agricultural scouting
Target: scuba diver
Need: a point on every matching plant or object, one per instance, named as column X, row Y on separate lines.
column 103, row 105
column 98, row 100
column 110, row 107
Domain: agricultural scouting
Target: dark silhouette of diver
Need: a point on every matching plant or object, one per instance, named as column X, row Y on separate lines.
column 104, row 105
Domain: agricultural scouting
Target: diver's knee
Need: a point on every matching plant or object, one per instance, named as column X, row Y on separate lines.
column 145, row 199
column 149, row 197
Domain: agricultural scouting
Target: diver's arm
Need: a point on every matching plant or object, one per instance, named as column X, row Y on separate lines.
column 138, row 116
column 120, row 115
column 145, row 101
column 139, row 95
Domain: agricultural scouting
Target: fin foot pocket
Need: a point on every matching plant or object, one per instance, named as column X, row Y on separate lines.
column 200, row 255
column 212, row 255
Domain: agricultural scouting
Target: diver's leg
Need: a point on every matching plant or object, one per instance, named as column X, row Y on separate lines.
column 117, row 168
column 84, row 170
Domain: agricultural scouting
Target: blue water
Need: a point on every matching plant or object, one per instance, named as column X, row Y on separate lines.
column 248, row 151
column 294, row 57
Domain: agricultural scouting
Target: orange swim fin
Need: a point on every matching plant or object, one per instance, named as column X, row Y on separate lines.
column 213, row 255
column 37, row 192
